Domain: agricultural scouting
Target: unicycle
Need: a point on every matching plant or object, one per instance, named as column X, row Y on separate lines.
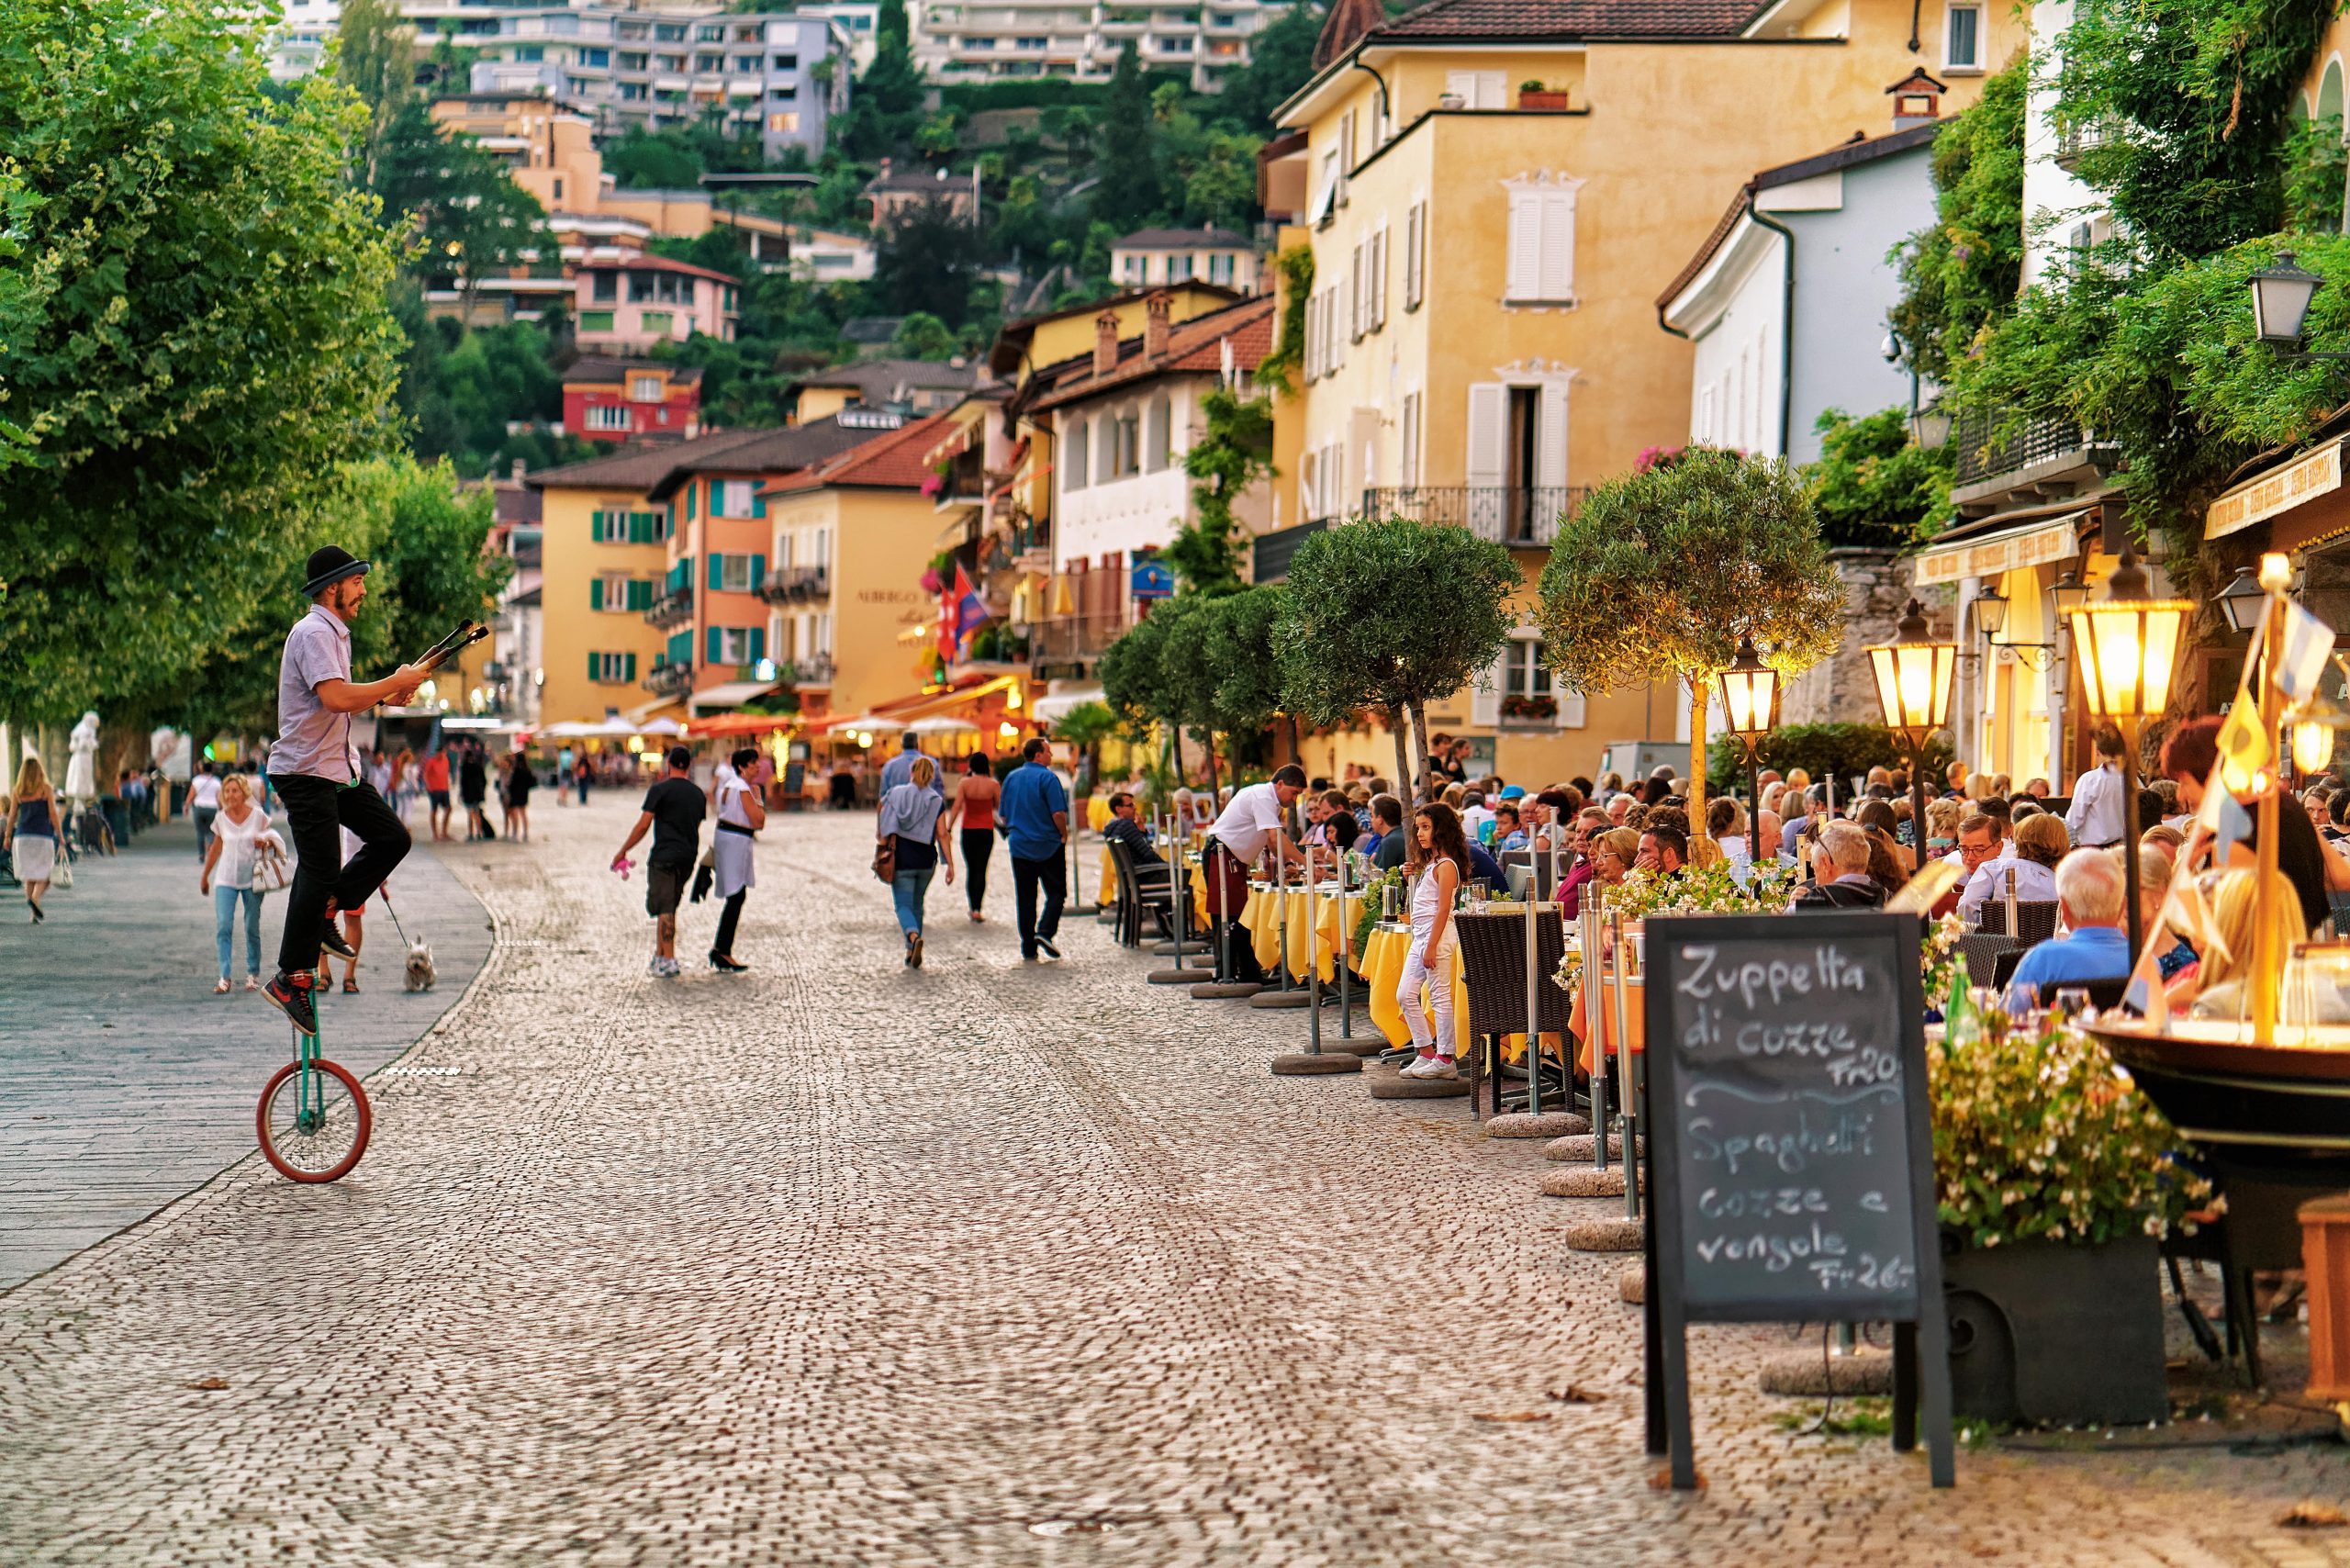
column 314, row 1118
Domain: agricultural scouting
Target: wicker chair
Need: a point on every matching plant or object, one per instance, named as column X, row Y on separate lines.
column 1492, row 965
column 1137, row 897
column 2035, row 919
column 1982, row 956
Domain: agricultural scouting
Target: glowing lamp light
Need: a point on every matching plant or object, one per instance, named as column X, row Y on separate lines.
column 1008, row 731
column 865, row 737
column 1750, row 694
column 2312, row 747
column 1011, row 698
column 2128, row 644
column 1913, row 676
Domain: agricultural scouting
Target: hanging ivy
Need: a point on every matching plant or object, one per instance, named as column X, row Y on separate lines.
column 1232, row 454
column 1961, row 271
column 1276, row 371
column 2316, row 164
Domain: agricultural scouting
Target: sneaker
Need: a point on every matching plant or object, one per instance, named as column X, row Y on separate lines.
column 654, row 969
column 1439, row 1067
column 1049, row 947
column 290, row 994
column 333, row 943
column 725, row 965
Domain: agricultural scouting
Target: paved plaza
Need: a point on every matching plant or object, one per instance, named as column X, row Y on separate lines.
column 837, row 1263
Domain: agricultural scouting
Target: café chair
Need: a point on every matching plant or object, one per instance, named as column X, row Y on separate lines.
column 1981, row 955
column 1493, row 967
column 1139, row 895
column 2035, row 919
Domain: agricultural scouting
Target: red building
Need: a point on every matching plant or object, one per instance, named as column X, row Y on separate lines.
column 631, row 399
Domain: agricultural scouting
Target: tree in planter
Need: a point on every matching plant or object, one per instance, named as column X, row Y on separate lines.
column 1086, row 726
column 1240, row 651
column 1187, row 668
column 1129, row 670
column 1657, row 575
column 1391, row 615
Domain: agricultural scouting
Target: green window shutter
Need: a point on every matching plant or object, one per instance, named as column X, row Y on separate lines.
column 689, row 503
column 595, row 593
column 681, row 648
column 716, row 644
column 640, row 594
column 594, row 528
column 595, row 666
column 758, row 572
column 629, row 661
column 758, row 504
column 716, row 571
column 759, row 644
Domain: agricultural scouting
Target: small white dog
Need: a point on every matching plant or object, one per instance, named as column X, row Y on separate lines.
column 420, row 967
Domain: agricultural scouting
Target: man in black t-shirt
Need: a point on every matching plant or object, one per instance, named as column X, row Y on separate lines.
column 673, row 811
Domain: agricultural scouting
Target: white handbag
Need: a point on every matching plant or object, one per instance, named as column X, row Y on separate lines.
column 271, row 873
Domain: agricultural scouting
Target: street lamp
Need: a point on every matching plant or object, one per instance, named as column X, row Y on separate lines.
column 1913, row 674
column 2070, row 593
column 2281, row 301
column 2128, row 646
column 1750, row 703
column 1991, row 615
column 2242, row 600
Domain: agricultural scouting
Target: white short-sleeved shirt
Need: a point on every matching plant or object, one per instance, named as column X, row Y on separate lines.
column 204, row 791
column 1245, row 826
column 311, row 738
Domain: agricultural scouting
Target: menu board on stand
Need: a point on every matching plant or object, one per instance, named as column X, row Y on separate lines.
column 1791, row 1151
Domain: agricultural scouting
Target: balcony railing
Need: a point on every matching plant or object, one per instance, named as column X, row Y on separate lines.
column 1984, row 452
column 671, row 609
column 1071, row 641
column 787, row 585
column 815, row 669
column 669, row 680
column 1506, row 514
column 2087, row 137
column 1274, row 551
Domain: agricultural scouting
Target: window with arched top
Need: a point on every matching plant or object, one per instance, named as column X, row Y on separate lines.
column 1158, row 435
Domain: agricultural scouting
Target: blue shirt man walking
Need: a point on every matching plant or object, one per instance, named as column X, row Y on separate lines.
column 1035, row 809
column 899, row 770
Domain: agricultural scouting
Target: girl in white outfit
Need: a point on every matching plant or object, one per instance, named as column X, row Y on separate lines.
column 1438, row 853
column 741, row 813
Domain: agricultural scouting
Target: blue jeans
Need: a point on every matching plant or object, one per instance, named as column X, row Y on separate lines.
column 907, row 889
column 224, row 924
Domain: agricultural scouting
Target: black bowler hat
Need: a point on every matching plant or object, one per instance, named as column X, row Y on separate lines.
column 329, row 567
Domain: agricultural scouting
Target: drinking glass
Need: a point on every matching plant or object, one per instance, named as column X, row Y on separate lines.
column 2072, row 1001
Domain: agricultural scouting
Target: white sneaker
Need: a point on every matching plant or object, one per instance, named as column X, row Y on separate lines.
column 1417, row 1067
column 1439, row 1066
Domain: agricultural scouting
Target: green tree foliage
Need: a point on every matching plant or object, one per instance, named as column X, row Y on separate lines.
column 1087, row 726
column 1280, row 60
column 2316, row 164
column 1391, row 615
column 639, row 159
column 1274, row 372
column 22, row 296
column 1188, row 678
column 424, row 538
column 1129, row 192
column 1825, row 751
column 1658, row 573
column 925, row 336
column 1873, row 487
column 1232, row 454
column 473, row 220
column 887, row 105
column 207, row 337
column 929, row 260
column 1240, row 651
column 1962, row 273
column 375, row 57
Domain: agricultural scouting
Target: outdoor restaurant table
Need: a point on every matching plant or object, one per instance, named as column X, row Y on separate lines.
column 1635, row 1020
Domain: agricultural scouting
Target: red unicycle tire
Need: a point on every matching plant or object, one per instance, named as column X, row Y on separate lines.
column 317, row 1136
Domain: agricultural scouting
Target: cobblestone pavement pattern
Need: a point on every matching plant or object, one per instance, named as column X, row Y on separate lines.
column 837, row 1263
column 124, row 1081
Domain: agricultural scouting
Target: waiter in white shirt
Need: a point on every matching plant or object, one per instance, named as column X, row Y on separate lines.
column 1246, row 829
column 2098, row 817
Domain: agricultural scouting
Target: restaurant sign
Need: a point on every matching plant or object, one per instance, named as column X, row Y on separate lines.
column 2280, row 490
column 2054, row 540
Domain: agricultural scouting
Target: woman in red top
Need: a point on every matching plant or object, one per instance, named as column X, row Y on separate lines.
column 973, row 807
column 436, row 791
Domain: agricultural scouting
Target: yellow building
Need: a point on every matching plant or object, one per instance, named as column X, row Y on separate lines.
column 1491, row 191
column 604, row 551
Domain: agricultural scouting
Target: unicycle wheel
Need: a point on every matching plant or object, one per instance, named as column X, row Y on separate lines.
column 313, row 1132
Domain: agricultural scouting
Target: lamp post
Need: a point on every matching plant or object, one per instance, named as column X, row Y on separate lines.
column 1750, row 704
column 1913, row 674
column 2128, row 646
column 2242, row 600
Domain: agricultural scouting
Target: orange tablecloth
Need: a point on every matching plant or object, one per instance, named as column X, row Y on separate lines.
column 1635, row 1020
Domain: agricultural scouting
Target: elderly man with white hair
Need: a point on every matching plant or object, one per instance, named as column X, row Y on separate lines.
column 2090, row 889
column 1840, row 868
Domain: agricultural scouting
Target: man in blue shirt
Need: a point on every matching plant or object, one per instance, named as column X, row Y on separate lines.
column 2090, row 889
column 899, row 768
column 1034, row 812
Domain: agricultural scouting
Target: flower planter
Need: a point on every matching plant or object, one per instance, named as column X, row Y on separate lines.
column 1554, row 102
column 2056, row 1334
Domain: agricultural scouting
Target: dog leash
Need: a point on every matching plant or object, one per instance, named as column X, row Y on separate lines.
column 384, row 892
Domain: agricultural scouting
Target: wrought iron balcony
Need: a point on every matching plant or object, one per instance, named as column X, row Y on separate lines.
column 1070, row 643
column 666, row 679
column 1526, row 515
column 1272, row 552
column 672, row 609
column 787, row 585
column 816, row 669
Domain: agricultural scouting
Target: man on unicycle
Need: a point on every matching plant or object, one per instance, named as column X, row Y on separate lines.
column 320, row 783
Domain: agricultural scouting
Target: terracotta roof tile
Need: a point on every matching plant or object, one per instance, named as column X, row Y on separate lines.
column 1571, row 18
column 637, row 468
column 1191, row 346
column 892, row 460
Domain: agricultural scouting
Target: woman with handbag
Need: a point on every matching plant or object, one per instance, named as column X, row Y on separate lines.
column 31, row 834
column 912, row 843
column 244, row 860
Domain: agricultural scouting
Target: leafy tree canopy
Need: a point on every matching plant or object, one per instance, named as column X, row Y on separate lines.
column 1240, row 648
column 1873, row 487
column 207, row 335
column 1961, row 271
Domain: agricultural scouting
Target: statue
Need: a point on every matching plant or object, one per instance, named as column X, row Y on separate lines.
column 82, row 764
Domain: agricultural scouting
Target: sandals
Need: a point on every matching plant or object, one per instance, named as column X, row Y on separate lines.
column 221, row 988
column 350, row 986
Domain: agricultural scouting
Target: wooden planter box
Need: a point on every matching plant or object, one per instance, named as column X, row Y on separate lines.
column 2052, row 1334
column 1554, row 102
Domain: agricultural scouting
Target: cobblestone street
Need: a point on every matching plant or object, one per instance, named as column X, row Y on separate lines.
column 839, row 1263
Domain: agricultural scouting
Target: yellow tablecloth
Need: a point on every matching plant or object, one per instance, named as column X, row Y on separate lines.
column 1108, row 886
column 1097, row 811
column 1382, row 966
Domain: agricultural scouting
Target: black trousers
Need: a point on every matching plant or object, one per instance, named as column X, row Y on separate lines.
column 730, row 913
column 1028, row 876
column 978, row 847
column 315, row 809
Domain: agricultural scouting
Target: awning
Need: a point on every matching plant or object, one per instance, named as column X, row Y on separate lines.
column 2032, row 542
column 859, row 721
column 742, row 724
column 1053, row 707
column 728, row 694
column 645, row 711
column 2312, row 475
column 941, row 724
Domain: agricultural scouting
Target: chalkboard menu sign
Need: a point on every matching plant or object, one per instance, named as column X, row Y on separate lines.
column 1790, row 1151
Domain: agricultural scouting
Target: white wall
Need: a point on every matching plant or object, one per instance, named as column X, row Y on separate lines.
column 2054, row 204
column 1142, row 509
column 1734, row 387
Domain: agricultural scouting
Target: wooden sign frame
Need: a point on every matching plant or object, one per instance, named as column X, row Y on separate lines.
column 1921, row 1347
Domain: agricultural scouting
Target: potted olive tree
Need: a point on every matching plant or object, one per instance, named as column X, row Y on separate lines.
column 2057, row 1180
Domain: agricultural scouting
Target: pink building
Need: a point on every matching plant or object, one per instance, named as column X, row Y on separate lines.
column 625, row 303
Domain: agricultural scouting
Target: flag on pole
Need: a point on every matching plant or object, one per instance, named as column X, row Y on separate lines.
column 2309, row 646
column 2220, row 816
column 971, row 609
column 2244, row 746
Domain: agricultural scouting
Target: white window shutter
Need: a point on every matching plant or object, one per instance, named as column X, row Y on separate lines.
column 1485, row 695
column 1525, row 281
column 1551, row 436
column 1413, row 221
column 1488, row 432
column 1492, row 93
column 1571, row 708
column 1378, row 278
column 1461, row 85
column 1558, row 264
